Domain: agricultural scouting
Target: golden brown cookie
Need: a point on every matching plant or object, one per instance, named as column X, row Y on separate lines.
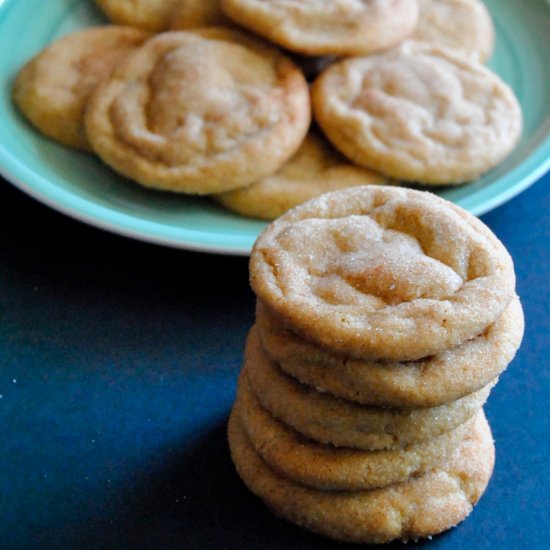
column 326, row 419
column 194, row 115
column 382, row 272
column 417, row 508
column 151, row 15
column 429, row 382
column 192, row 14
column 418, row 112
column 463, row 25
column 317, row 27
column 319, row 466
column 315, row 169
column 52, row 89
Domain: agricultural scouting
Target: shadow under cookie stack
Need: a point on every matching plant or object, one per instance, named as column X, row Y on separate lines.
column 384, row 319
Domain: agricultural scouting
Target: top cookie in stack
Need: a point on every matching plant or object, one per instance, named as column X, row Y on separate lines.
column 382, row 273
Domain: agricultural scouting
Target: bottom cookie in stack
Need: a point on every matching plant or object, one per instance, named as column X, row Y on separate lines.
column 416, row 508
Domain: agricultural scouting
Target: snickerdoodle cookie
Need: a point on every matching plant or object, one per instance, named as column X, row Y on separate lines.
column 463, row 25
column 191, row 114
column 429, row 382
column 315, row 169
column 317, row 27
column 52, row 89
column 418, row 112
column 419, row 507
column 326, row 467
column 382, row 272
column 151, row 15
column 191, row 14
column 329, row 420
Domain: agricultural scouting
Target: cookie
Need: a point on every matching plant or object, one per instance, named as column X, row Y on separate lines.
column 463, row 25
column 329, row 420
column 52, row 89
column 192, row 14
column 429, row 382
column 314, row 27
column 420, row 507
column 151, row 15
column 418, row 112
column 194, row 115
column 382, row 272
column 315, row 169
column 326, row 467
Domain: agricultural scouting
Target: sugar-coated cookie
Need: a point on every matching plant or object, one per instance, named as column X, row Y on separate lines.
column 329, row 420
column 315, row 169
column 463, row 25
column 382, row 272
column 151, row 15
column 418, row 112
column 318, row 27
column 190, row 114
column 417, row 508
column 325, row 467
column 429, row 382
column 52, row 89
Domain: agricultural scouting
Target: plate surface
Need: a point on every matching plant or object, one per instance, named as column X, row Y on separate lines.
column 82, row 187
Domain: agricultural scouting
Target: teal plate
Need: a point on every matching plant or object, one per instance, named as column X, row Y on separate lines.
column 81, row 186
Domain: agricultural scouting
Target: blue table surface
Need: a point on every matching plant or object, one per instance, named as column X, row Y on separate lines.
column 118, row 368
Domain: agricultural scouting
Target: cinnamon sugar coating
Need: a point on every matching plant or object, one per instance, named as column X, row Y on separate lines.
column 428, row 382
column 382, row 272
column 326, row 467
column 417, row 508
column 330, row 420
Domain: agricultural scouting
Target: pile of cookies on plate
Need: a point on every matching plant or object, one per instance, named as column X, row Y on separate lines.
column 221, row 105
column 384, row 317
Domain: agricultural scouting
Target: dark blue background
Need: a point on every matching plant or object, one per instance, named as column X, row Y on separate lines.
column 118, row 368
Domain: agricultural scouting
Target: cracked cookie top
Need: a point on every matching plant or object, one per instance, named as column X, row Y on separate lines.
column 382, row 272
column 318, row 27
column 418, row 112
column 199, row 115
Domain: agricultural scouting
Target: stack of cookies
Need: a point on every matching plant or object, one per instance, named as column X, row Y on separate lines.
column 384, row 318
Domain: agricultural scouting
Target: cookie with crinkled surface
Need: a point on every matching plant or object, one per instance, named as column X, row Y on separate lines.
column 382, row 272
column 316, row 168
column 418, row 112
column 190, row 114
column 340, row 27
column 463, row 25
column 327, row 419
column 319, row 466
column 420, row 507
column 151, row 15
column 191, row 14
column 429, row 382
column 52, row 89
